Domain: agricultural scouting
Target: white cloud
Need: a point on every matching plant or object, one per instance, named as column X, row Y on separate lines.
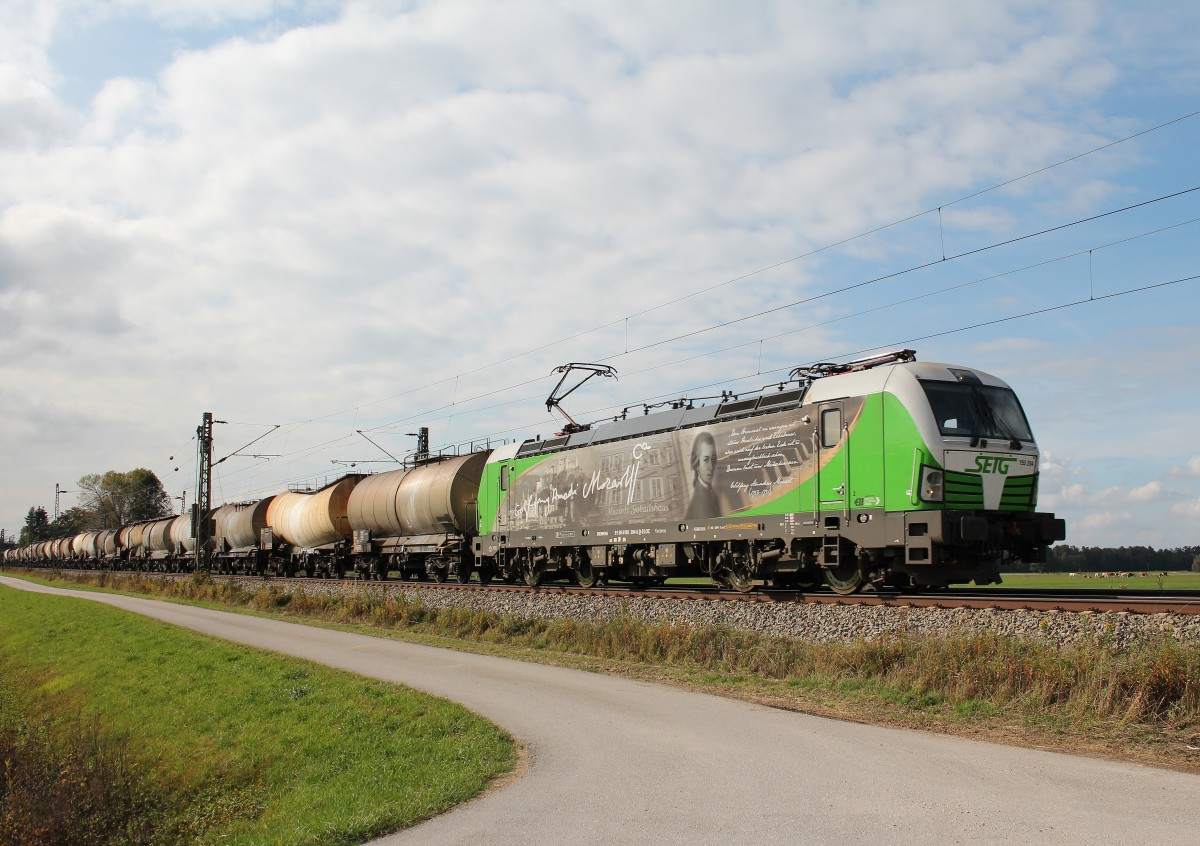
column 1104, row 521
column 1150, row 492
column 1192, row 468
column 1189, row 510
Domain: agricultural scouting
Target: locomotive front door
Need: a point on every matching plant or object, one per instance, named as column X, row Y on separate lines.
column 832, row 458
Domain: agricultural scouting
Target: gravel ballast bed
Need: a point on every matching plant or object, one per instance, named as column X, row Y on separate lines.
column 817, row 622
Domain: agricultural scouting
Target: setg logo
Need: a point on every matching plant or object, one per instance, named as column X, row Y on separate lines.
column 993, row 464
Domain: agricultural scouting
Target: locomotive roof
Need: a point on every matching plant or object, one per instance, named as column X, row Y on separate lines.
column 818, row 383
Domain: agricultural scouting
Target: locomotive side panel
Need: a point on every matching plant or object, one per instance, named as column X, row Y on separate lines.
column 744, row 467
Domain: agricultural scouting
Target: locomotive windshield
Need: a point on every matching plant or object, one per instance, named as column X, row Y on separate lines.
column 977, row 411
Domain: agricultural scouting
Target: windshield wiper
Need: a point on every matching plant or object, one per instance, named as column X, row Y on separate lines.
column 989, row 418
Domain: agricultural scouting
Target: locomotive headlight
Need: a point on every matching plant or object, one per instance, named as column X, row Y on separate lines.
column 933, row 484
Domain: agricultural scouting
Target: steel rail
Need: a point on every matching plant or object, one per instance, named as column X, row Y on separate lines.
column 1065, row 600
column 1077, row 601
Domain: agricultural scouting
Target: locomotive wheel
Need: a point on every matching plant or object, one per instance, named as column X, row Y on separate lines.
column 741, row 576
column 584, row 574
column 845, row 578
column 486, row 574
column 534, row 574
column 464, row 573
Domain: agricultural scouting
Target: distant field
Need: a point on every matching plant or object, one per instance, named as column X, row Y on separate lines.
column 1170, row 582
column 1085, row 581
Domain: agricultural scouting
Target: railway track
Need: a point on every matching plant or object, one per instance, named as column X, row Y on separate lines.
column 1065, row 600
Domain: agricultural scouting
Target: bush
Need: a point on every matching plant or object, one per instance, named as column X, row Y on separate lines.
column 69, row 782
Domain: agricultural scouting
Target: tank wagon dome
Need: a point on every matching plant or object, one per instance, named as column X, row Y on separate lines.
column 428, row 499
column 310, row 520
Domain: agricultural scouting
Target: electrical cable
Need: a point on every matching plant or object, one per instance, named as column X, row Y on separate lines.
column 759, row 271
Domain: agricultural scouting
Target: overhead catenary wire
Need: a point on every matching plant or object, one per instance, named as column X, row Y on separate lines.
column 291, row 428
column 813, row 298
column 814, row 252
column 461, row 403
column 459, row 406
column 903, row 342
column 893, row 343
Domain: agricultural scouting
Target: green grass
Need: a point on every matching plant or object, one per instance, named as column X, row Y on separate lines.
column 1176, row 580
column 251, row 747
column 1139, row 701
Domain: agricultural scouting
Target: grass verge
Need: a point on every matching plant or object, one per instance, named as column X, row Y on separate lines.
column 1138, row 703
column 212, row 742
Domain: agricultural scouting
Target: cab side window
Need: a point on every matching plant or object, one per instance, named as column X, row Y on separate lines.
column 831, row 427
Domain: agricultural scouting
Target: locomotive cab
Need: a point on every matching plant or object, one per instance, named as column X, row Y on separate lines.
column 976, row 469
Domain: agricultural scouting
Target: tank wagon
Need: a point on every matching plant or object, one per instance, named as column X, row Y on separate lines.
column 236, row 530
column 881, row 471
column 309, row 532
column 418, row 520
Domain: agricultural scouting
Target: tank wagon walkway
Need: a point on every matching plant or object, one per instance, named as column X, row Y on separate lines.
column 616, row 761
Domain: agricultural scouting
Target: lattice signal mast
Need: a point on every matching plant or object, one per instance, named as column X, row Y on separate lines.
column 203, row 503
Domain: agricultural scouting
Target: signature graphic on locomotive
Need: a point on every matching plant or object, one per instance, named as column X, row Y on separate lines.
column 689, row 474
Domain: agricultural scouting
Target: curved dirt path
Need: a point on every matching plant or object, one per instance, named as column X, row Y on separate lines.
column 619, row 761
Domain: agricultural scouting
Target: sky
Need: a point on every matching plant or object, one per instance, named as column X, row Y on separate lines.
column 350, row 220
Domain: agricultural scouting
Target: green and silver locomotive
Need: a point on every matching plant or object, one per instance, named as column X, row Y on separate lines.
column 882, row 471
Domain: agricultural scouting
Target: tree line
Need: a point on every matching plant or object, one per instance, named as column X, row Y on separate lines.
column 106, row 501
column 1064, row 558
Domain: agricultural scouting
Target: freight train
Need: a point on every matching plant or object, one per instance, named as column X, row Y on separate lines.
column 883, row 471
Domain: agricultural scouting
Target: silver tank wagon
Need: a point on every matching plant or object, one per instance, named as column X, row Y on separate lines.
column 410, row 518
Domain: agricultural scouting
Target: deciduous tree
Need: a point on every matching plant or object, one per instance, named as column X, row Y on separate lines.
column 116, row 499
column 71, row 522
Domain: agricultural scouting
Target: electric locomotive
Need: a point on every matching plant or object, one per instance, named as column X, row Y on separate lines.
column 882, row 471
